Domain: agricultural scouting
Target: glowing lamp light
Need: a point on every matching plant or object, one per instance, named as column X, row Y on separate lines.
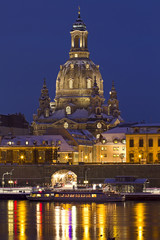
column 22, row 157
column 86, row 157
column 139, row 155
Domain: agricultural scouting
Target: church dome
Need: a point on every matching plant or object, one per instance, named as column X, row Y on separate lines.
column 75, row 81
column 76, row 77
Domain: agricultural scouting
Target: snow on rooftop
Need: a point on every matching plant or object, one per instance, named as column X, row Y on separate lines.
column 44, row 140
column 79, row 113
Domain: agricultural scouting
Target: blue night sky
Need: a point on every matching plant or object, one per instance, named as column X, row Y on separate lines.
column 124, row 39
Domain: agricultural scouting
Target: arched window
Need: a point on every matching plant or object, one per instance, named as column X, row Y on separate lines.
column 68, row 110
column 89, row 83
column 71, row 83
column 76, row 41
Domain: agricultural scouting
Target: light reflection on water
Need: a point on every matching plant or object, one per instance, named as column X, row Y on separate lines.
column 23, row 220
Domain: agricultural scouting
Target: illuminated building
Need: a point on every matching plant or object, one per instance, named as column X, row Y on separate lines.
column 35, row 150
column 112, row 146
column 143, row 143
column 79, row 101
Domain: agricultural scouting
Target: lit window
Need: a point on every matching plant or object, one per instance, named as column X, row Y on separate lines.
column 71, row 83
column 124, row 141
column 65, row 125
column 76, row 55
column 115, row 141
column 102, row 148
column 87, row 66
column 9, row 143
column 99, row 125
column 98, row 136
column 94, row 195
column 68, row 110
column 88, row 83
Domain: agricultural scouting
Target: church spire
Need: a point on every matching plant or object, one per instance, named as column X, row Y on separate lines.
column 113, row 103
column 44, row 101
column 113, row 93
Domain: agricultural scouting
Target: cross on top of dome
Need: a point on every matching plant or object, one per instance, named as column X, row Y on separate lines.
column 79, row 24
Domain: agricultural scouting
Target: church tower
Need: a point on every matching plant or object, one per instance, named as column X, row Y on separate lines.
column 44, row 103
column 79, row 99
column 79, row 35
column 113, row 103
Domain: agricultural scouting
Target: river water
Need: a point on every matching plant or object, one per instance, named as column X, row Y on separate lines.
column 24, row 220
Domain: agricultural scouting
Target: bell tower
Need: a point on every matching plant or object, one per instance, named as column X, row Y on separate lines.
column 79, row 35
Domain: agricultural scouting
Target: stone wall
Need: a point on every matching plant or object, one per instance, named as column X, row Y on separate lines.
column 41, row 174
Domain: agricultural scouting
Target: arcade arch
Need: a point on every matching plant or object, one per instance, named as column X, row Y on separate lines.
column 64, row 177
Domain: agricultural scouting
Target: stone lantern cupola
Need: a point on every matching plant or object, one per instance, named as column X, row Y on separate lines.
column 79, row 35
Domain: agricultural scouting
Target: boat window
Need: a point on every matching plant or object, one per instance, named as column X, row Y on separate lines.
column 82, row 195
column 38, row 195
column 46, row 195
column 77, row 195
column 56, row 195
column 71, row 195
column 94, row 195
column 88, row 195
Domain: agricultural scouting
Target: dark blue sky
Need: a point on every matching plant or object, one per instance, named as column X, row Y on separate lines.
column 124, row 39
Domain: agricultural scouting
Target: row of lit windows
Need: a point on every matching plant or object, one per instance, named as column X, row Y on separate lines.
column 117, row 141
column 34, row 143
column 89, row 84
column 150, row 156
column 114, row 148
column 141, row 142
column 76, row 195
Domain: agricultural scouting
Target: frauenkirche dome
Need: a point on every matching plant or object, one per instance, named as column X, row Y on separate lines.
column 79, row 100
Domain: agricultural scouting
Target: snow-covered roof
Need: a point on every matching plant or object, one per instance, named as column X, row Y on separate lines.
column 79, row 113
column 44, row 140
column 59, row 114
column 82, row 136
column 117, row 130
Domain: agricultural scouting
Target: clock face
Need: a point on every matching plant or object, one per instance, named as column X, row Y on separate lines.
column 99, row 125
column 65, row 125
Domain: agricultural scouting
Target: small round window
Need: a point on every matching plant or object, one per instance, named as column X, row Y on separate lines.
column 65, row 125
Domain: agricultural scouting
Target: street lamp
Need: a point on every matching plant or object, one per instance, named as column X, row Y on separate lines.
column 7, row 173
column 139, row 158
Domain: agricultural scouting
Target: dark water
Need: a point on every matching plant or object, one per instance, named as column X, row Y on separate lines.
column 24, row 220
